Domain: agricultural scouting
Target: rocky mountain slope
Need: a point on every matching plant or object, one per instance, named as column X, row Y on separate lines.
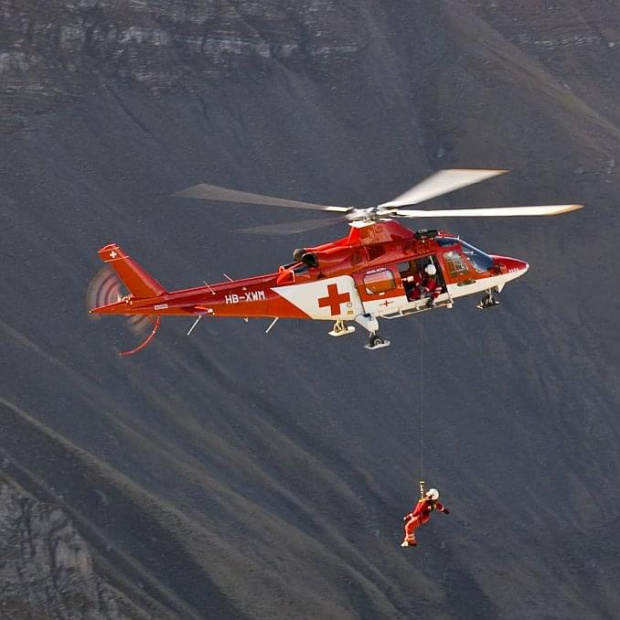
column 47, row 569
column 235, row 474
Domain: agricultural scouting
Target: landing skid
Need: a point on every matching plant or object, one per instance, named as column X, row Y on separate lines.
column 340, row 329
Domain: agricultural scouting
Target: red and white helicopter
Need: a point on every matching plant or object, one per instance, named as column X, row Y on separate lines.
column 379, row 270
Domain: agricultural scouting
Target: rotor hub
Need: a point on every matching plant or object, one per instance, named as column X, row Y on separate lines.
column 369, row 214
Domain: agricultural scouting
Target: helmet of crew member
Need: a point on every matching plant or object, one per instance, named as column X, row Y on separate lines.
column 431, row 270
column 432, row 494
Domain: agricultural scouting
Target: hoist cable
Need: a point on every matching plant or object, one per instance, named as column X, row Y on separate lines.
column 421, row 401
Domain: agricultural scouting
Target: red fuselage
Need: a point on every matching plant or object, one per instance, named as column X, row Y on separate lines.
column 365, row 250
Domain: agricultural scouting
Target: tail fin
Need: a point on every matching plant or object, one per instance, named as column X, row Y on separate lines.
column 137, row 280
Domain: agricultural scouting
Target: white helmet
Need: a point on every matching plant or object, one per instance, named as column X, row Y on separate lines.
column 431, row 270
column 432, row 494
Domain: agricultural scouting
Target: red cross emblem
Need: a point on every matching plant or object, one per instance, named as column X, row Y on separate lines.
column 334, row 299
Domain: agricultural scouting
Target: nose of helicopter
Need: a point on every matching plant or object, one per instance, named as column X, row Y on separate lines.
column 511, row 266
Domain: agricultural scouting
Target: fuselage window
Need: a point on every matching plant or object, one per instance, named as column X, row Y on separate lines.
column 405, row 269
column 379, row 281
column 455, row 263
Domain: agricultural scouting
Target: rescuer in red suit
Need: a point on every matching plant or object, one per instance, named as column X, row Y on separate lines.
column 430, row 284
column 413, row 286
column 420, row 515
column 423, row 284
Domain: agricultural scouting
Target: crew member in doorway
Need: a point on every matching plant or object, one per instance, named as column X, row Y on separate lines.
column 413, row 286
column 421, row 515
column 430, row 285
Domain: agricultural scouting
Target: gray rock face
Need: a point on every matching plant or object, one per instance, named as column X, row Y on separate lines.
column 46, row 570
column 160, row 45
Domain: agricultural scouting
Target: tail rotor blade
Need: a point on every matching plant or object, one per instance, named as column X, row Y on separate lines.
column 105, row 288
column 154, row 323
column 139, row 323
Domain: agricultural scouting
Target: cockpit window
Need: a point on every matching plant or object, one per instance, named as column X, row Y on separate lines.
column 480, row 261
column 446, row 241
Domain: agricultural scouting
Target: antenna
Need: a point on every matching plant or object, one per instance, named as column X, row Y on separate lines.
column 271, row 325
column 191, row 329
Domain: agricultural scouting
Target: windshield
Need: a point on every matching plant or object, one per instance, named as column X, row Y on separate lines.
column 480, row 261
column 447, row 241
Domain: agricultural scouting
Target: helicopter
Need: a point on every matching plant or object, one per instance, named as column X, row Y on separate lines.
column 380, row 270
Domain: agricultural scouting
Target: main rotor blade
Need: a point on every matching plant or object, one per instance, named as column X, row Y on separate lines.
column 440, row 183
column 291, row 228
column 489, row 211
column 216, row 193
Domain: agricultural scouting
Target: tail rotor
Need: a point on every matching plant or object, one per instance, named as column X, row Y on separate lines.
column 106, row 288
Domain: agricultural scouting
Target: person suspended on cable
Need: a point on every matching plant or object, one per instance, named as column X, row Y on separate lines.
column 421, row 515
